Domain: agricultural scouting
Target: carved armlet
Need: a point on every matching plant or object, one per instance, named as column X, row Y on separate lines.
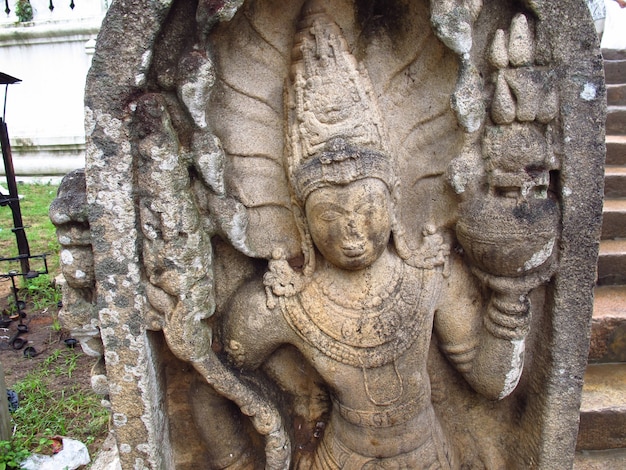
column 508, row 312
column 508, row 316
column 461, row 355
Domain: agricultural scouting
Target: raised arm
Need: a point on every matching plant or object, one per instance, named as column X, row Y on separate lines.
column 482, row 331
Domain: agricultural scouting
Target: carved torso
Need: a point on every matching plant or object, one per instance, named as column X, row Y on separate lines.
column 372, row 331
column 370, row 348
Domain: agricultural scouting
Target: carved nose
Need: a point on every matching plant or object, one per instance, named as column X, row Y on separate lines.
column 352, row 226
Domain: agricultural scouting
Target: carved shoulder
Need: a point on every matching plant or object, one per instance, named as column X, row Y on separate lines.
column 250, row 330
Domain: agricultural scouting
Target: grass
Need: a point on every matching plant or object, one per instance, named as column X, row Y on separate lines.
column 46, row 411
column 40, row 232
column 50, row 402
column 42, row 293
column 11, row 454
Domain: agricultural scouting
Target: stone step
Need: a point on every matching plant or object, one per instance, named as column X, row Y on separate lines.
column 614, row 181
column 600, row 459
column 614, row 54
column 615, row 70
column 616, row 94
column 612, row 262
column 616, row 120
column 614, row 219
column 603, row 408
column 608, row 325
column 616, row 150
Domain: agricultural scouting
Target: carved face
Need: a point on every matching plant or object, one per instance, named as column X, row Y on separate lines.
column 350, row 225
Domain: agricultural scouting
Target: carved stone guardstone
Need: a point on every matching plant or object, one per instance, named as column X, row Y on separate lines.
column 339, row 234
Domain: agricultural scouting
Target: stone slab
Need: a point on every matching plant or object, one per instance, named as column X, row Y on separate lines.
column 603, row 408
column 613, row 54
column 191, row 211
column 108, row 457
column 616, row 120
column 614, row 219
column 600, row 459
column 614, row 181
column 616, row 149
column 608, row 325
column 616, row 94
column 612, row 262
column 615, row 70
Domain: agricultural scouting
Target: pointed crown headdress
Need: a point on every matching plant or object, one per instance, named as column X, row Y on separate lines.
column 335, row 130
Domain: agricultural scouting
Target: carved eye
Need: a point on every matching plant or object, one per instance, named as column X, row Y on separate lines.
column 329, row 216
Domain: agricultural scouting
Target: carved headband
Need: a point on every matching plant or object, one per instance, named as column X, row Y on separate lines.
column 339, row 164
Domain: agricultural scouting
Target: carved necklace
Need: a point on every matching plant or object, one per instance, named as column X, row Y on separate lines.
column 372, row 333
column 373, row 299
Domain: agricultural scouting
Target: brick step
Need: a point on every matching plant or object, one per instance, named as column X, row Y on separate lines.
column 616, row 94
column 615, row 70
column 614, row 181
column 608, row 325
column 600, row 459
column 614, row 219
column 616, row 150
column 603, row 408
column 616, row 119
column 612, row 262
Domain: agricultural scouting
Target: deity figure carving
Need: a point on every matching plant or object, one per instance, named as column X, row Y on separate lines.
column 341, row 234
column 363, row 305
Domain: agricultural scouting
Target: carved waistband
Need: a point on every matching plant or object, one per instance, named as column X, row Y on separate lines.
column 392, row 416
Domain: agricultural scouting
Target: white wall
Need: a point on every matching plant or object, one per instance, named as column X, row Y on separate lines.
column 62, row 11
column 614, row 36
column 51, row 55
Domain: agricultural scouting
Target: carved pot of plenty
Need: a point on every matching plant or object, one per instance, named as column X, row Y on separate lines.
column 507, row 236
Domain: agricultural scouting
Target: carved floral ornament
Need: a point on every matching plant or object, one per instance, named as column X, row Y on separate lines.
column 345, row 218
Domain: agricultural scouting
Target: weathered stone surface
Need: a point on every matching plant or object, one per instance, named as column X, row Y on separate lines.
column 616, row 94
column 614, row 218
column 616, row 120
column 612, row 262
column 608, row 326
column 108, row 456
column 344, row 233
column 616, row 150
column 614, row 70
column 603, row 408
column 599, row 460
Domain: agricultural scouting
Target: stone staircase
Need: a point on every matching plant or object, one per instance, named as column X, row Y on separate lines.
column 602, row 433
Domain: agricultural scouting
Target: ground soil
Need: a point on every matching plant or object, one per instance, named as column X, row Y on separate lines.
column 45, row 339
